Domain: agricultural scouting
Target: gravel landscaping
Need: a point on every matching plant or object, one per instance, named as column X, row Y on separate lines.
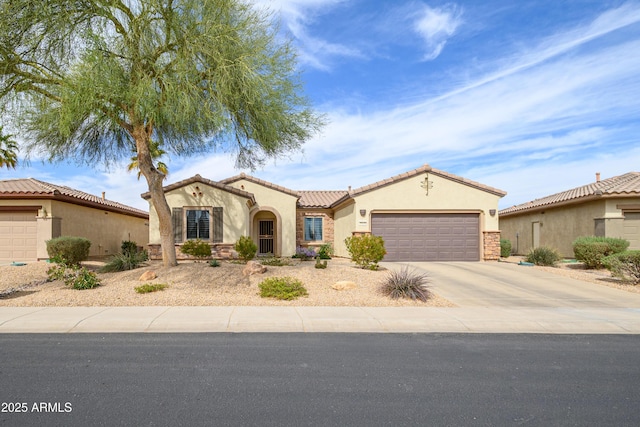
column 198, row 284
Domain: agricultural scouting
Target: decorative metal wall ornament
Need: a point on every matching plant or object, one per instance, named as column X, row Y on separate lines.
column 426, row 184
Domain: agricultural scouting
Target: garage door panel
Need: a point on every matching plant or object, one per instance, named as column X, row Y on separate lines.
column 18, row 233
column 430, row 237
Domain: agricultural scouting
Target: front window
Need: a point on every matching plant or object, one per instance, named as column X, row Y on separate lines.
column 313, row 229
column 198, row 224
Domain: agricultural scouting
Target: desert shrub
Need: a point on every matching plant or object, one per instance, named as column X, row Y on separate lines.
column 246, row 248
column 505, row 248
column 321, row 264
column 214, row 263
column 405, row 283
column 274, row 261
column 128, row 247
column 196, row 248
column 284, row 288
column 69, row 249
column 150, row 287
column 591, row 250
column 305, row 254
column 125, row 261
column 543, row 255
column 366, row 251
column 325, row 251
column 74, row 276
column 625, row 265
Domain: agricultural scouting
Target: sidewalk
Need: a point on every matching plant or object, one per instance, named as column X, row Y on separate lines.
column 320, row 319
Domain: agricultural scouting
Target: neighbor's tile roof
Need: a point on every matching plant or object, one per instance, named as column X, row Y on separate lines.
column 427, row 169
column 321, row 199
column 33, row 189
column 622, row 185
column 198, row 178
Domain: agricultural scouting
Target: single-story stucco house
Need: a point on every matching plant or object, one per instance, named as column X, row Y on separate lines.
column 608, row 207
column 33, row 211
column 423, row 215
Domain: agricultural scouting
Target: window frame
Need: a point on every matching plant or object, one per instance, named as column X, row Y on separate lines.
column 313, row 228
column 185, row 210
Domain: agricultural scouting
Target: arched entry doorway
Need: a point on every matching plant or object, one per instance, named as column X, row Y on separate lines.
column 266, row 231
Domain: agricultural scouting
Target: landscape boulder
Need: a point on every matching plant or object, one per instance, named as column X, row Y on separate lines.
column 344, row 285
column 148, row 275
column 253, row 267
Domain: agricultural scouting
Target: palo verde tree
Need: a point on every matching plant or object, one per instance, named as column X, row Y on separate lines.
column 91, row 79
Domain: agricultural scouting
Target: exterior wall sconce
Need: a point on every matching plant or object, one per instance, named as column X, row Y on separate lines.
column 492, row 212
column 426, row 184
column 363, row 212
column 197, row 193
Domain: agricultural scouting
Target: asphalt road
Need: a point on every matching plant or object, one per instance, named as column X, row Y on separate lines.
column 319, row 379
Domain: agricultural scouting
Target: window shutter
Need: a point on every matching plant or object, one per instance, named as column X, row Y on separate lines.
column 217, row 225
column 176, row 219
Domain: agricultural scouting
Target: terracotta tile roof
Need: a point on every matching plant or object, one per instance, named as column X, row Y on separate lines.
column 424, row 169
column 622, row 185
column 321, row 199
column 33, row 189
column 214, row 184
column 259, row 181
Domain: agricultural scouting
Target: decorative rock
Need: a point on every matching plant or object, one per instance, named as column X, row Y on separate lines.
column 148, row 275
column 253, row 267
column 344, row 285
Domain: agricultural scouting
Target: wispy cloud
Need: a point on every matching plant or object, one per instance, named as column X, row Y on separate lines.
column 436, row 26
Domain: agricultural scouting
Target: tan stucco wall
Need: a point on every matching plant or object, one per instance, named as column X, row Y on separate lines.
column 273, row 200
column 235, row 213
column 445, row 195
column 106, row 230
column 559, row 227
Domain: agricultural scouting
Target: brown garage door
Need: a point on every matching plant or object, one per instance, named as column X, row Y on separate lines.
column 428, row 237
column 18, row 234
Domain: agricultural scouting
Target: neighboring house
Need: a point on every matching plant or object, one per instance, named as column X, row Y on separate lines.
column 608, row 207
column 423, row 215
column 33, row 211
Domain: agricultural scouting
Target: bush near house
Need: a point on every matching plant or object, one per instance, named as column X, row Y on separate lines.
column 125, row 261
column 73, row 276
column 128, row 247
column 625, row 265
column 196, row 248
column 68, row 249
column 325, row 251
column 246, row 248
column 591, row 250
column 366, row 251
column 505, row 248
column 544, row 256
column 305, row 254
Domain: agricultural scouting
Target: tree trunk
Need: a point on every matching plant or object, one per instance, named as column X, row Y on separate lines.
column 158, row 200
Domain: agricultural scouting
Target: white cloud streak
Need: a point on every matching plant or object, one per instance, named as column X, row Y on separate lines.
column 436, row 26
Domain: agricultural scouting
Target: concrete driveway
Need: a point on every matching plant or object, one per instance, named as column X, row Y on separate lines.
column 497, row 284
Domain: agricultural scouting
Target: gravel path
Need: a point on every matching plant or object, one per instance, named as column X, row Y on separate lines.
column 198, row 284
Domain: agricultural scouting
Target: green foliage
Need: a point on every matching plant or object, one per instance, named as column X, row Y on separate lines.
column 625, row 265
column 321, row 264
column 246, row 248
column 284, row 288
column 8, row 151
column 366, row 250
column 591, row 250
column 73, row 276
column 406, row 284
column 196, row 248
column 150, row 287
column 125, row 261
column 275, row 261
column 214, row 263
column 543, row 255
column 128, row 247
column 71, row 250
column 505, row 248
column 305, row 254
column 325, row 251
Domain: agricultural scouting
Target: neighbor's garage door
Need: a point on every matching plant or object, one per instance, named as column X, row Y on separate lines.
column 428, row 237
column 18, row 236
column 631, row 229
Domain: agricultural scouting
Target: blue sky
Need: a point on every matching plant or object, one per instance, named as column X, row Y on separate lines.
column 532, row 97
